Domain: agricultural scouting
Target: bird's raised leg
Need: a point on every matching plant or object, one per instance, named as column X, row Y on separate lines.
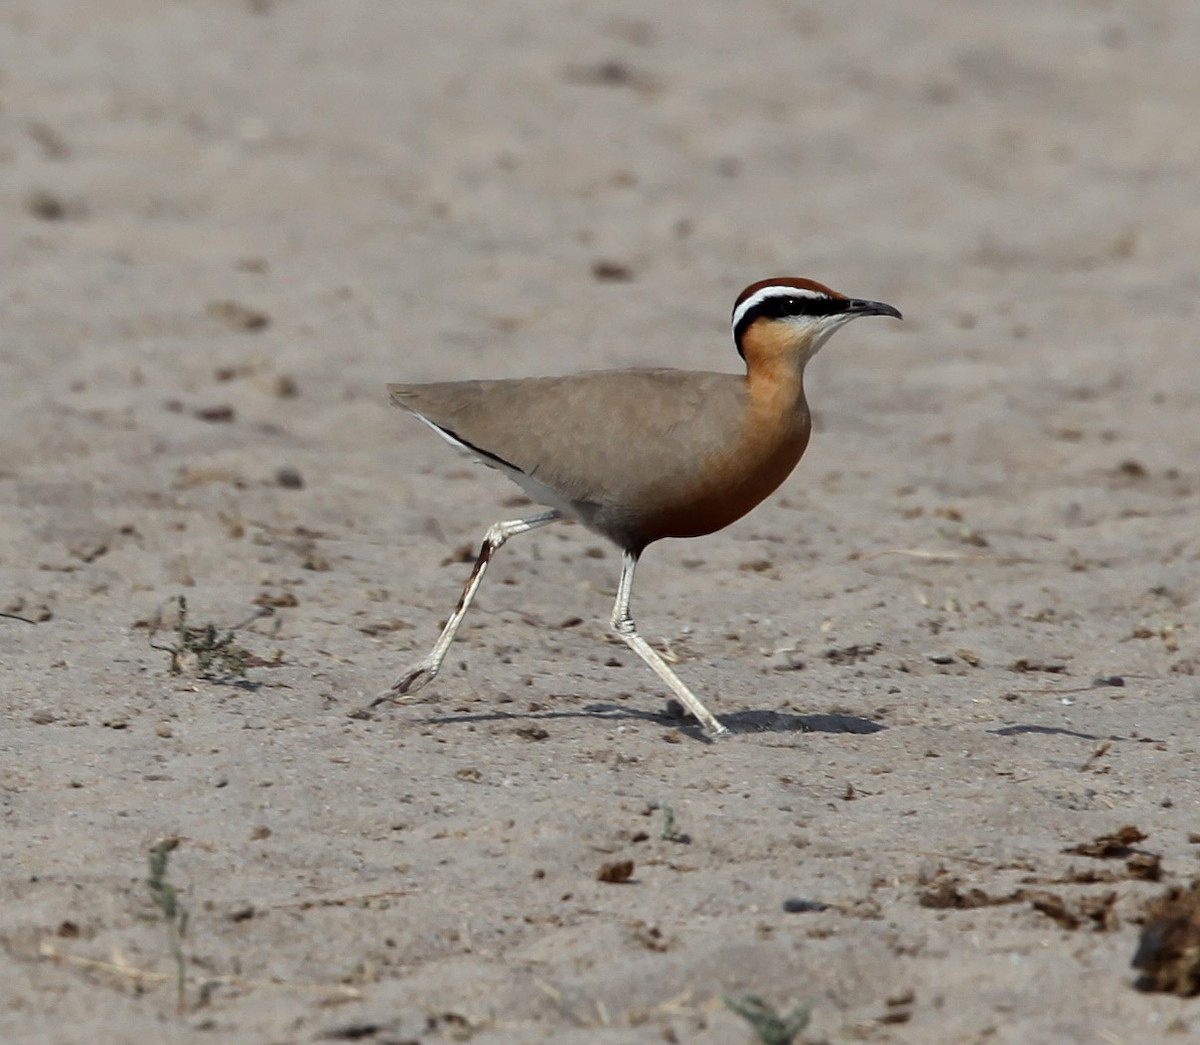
column 623, row 625
column 425, row 670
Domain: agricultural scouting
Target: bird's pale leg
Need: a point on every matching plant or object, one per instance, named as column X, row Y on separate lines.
column 623, row 625
column 424, row 671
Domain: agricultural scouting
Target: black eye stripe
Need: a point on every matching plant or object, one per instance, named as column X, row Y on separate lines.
column 779, row 306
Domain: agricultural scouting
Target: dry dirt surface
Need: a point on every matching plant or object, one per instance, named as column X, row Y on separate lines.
column 958, row 651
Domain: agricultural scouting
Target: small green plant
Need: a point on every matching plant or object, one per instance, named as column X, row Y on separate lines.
column 204, row 650
column 174, row 914
column 670, row 832
column 769, row 1027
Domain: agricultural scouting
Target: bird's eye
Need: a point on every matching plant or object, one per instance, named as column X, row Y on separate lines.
column 793, row 304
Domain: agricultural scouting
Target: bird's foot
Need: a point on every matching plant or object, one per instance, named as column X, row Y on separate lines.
column 702, row 716
column 417, row 677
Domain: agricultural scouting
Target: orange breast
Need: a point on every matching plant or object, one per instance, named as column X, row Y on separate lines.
column 735, row 480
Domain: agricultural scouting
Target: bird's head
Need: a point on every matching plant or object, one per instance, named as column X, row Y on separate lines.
column 791, row 319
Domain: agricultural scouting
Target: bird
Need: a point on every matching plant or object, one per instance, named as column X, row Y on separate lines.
column 640, row 455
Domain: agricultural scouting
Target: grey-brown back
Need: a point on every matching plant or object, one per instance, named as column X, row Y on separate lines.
column 613, row 445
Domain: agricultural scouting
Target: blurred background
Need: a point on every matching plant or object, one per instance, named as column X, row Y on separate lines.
column 264, row 210
column 418, row 191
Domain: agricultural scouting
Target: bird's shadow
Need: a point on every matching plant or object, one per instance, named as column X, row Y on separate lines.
column 1050, row 731
column 737, row 722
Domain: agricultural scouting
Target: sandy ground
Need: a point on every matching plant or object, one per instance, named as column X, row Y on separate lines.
column 226, row 225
